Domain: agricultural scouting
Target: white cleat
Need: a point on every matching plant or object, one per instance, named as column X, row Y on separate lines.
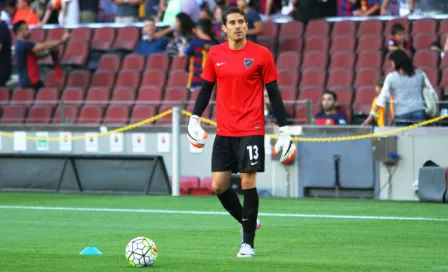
column 246, row 251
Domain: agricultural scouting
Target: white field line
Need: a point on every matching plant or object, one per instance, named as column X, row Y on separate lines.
column 362, row 217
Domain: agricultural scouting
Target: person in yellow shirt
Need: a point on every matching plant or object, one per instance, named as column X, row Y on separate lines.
column 380, row 114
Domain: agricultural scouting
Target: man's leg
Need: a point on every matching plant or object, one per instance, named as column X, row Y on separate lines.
column 250, row 208
column 228, row 198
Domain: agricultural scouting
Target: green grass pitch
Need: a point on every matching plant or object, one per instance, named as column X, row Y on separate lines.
column 50, row 240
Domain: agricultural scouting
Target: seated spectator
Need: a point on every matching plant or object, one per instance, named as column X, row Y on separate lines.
column 255, row 25
column 206, row 14
column 347, row 7
column 197, row 51
column 127, row 10
column 217, row 25
column 398, row 41
column 25, row 13
column 183, row 34
column 367, row 8
column 380, row 114
column 148, row 44
column 25, row 53
column 151, row 8
column 5, row 53
column 392, row 7
column 174, row 8
column 329, row 114
column 51, row 15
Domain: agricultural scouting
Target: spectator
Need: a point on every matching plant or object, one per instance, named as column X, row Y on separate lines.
column 329, row 114
column 367, row 8
column 127, row 10
column 217, row 24
column 25, row 53
column 88, row 10
column 255, row 26
column 52, row 9
column 25, row 13
column 151, row 8
column 69, row 14
column 346, row 7
column 150, row 45
column 183, row 34
column 398, row 41
column 206, row 14
column 274, row 6
column 405, row 84
column 392, row 7
column 197, row 51
column 380, row 115
column 174, row 8
column 5, row 53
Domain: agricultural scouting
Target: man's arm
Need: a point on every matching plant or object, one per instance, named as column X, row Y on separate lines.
column 51, row 44
column 203, row 97
column 384, row 7
column 278, row 108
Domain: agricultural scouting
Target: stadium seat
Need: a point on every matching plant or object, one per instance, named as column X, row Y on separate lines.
column 315, row 59
column 363, row 99
column 90, row 115
column 270, row 29
column 268, row 42
column 158, row 61
column 425, row 25
column 38, row 35
column 342, row 59
column 317, row 28
column 76, row 54
column 367, row 76
column 370, row 43
column 103, row 38
column 70, row 114
column 98, row 96
column 54, row 34
column 340, row 77
column 424, row 40
column 301, row 112
column 128, row 78
column 39, row 115
column 290, row 44
column 345, row 95
column 289, row 95
column 178, row 79
column 150, row 94
column 123, row 96
column 4, row 95
column 344, row 28
column 342, row 43
column 288, row 78
column 314, row 94
column 176, row 94
column 313, row 77
column 127, row 39
column 292, row 29
column 432, row 74
column 288, row 60
column 52, row 81
column 426, row 58
column 142, row 112
column 204, row 188
column 47, row 97
column 371, row 27
column 444, row 80
column 166, row 120
column 369, row 59
column 109, row 62
column 103, row 79
column 405, row 22
column 13, row 114
column 316, row 43
column 187, row 183
column 81, row 34
column 79, row 78
column 153, row 78
column 73, row 96
column 23, row 97
column 179, row 64
column 117, row 115
column 443, row 28
column 134, row 62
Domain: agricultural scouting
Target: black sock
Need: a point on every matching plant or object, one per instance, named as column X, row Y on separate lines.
column 231, row 203
column 250, row 214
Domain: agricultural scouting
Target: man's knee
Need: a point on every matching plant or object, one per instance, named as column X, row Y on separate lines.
column 220, row 182
column 248, row 180
column 219, row 188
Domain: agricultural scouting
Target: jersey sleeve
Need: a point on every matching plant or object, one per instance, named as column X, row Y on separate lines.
column 208, row 72
column 269, row 71
column 28, row 46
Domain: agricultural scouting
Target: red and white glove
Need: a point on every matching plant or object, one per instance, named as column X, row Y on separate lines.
column 286, row 145
column 196, row 135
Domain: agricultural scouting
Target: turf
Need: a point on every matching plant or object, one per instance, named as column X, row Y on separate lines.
column 46, row 240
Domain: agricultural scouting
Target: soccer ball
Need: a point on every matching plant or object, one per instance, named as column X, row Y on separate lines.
column 141, row 251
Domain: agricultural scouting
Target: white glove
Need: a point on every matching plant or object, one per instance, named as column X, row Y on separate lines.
column 196, row 135
column 286, row 145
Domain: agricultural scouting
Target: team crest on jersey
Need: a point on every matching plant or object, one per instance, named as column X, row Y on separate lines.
column 248, row 62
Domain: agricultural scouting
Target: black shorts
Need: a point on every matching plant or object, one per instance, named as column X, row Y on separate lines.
column 238, row 154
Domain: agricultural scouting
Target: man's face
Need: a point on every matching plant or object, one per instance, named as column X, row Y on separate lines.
column 328, row 102
column 149, row 28
column 241, row 4
column 236, row 27
column 399, row 37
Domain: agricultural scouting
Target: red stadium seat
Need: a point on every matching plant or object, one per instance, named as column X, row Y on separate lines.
column 432, row 74
column 204, row 188
column 317, row 28
column 90, row 115
column 81, row 34
column 142, row 112
column 178, row 79
column 444, row 80
column 79, row 79
column 127, row 38
column 371, row 27
column 288, row 78
column 301, row 113
column 268, row 42
column 288, row 60
column 367, row 76
column 51, row 80
column 166, row 120
column 39, row 115
column 153, row 78
column 179, row 63
column 443, row 29
column 103, row 79
column 98, row 96
column 342, row 43
column 444, row 62
column 425, row 25
column 369, row 59
column 187, row 183
column 73, row 96
column 424, row 40
column 314, row 94
column 149, row 93
column 55, row 33
column 292, row 29
column 270, row 30
column 76, row 54
column 117, row 115
column 426, row 58
column 134, row 62
column 47, row 97
column 289, row 95
column 23, row 97
column 38, row 35
column 175, row 94
column 316, row 43
column 315, row 59
column 13, row 114
column 370, row 43
column 124, row 94
column 4, row 95
column 103, row 38
column 342, row 60
column 344, row 28
column 340, row 77
column 70, row 114
column 344, row 94
column 313, row 77
column 363, row 100
column 128, row 78
column 158, row 61
column 109, row 62
column 290, row 44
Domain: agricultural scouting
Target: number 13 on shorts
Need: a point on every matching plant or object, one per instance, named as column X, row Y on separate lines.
column 253, row 152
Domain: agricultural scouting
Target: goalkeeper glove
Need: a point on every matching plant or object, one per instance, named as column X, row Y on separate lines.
column 196, row 135
column 285, row 145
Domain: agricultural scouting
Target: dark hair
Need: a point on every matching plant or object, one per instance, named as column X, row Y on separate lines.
column 186, row 24
column 335, row 97
column 397, row 28
column 437, row 44
column 17, row 26
column 232, row 11
column 380, row 82
column 206, row 26
column 402, row 62
column 11, row 3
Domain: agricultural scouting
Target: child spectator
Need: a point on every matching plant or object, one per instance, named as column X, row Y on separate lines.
column 380, row 114
column 398, row 41
column 329, row 114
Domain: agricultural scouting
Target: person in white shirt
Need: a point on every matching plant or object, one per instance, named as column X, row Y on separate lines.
column 69, row 14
